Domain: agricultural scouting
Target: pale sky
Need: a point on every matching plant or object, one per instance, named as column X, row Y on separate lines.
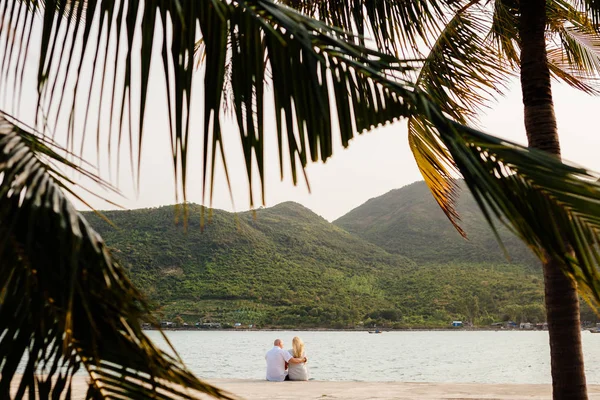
column 375, row 162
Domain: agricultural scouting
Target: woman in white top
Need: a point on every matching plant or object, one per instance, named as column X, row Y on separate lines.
column 297, row 372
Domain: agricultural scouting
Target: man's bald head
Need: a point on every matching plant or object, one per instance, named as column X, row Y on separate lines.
column 278, row 343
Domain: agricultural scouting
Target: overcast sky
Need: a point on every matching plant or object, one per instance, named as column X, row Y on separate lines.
column 374, row 163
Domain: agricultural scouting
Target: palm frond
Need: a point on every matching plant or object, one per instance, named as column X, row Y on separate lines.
column 573, row 60
column 397, row 25
column 552, row 206
column 309, row 64
column 589, row 7
column 237, row 38
column 578, row 79
column 504, row 31
column 436, row 167
column 461, row 74
column 561, row 13
column 65, row 304
column 578, row 56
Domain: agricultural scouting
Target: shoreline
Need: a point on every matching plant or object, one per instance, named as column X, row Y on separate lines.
column 262, row 390
column 383, row 330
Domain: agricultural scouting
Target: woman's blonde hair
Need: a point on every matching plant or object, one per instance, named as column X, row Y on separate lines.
column 298, row 347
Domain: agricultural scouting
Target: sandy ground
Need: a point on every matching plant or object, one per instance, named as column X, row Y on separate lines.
column 387, row 390
column 262, row 390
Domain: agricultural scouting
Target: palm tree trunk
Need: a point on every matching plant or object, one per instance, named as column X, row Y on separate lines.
column 562, row 302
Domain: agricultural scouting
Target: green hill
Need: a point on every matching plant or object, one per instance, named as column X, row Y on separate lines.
column 272, row 265
column 408, row 221
column 287, row 267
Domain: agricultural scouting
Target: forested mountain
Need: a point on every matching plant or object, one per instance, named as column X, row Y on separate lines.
column 272, row 265
column 285, row 266
column 408, row 221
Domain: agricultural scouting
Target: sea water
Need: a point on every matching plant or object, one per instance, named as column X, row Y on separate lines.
column 406, row 356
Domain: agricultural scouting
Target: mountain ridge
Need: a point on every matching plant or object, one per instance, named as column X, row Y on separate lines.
column 286, row 266
column 408, row 221
column 253, row 258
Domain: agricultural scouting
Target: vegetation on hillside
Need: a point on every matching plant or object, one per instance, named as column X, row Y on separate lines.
column 287, row 267
column 408, row 221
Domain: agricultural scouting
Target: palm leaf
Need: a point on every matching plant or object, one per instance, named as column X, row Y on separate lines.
column 574, row 52
column 579, row 79
column 461, row 74
column 237, row 37
column 578, row 55
column 66, row 304
column 504, row 31
column 572, row 60
column 561, row 13
column 397, row 25
column 522, row 187
column 303, row 81
column 589, row 7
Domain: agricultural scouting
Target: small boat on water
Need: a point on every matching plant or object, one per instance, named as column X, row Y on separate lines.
column 376, row 331
column 596, row 329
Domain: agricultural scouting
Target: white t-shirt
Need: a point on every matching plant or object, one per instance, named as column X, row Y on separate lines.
column 298, row 372
column 276, row 359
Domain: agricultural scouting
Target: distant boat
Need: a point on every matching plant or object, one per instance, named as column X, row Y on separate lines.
column 376, row 331
column 593, row 330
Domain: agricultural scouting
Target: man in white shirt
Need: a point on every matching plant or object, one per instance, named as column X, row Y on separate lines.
column 277, row 360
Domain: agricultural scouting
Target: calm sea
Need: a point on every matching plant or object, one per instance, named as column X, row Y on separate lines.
column 420, row 356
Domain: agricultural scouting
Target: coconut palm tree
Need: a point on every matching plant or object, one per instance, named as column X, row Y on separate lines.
column 471, row 48
column 66, row 304
column 545, row 38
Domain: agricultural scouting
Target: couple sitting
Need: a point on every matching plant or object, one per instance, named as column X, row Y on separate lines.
column 287, row 365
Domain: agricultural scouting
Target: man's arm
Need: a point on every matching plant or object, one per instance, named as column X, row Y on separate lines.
column 287, row 357
column 295, row 360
